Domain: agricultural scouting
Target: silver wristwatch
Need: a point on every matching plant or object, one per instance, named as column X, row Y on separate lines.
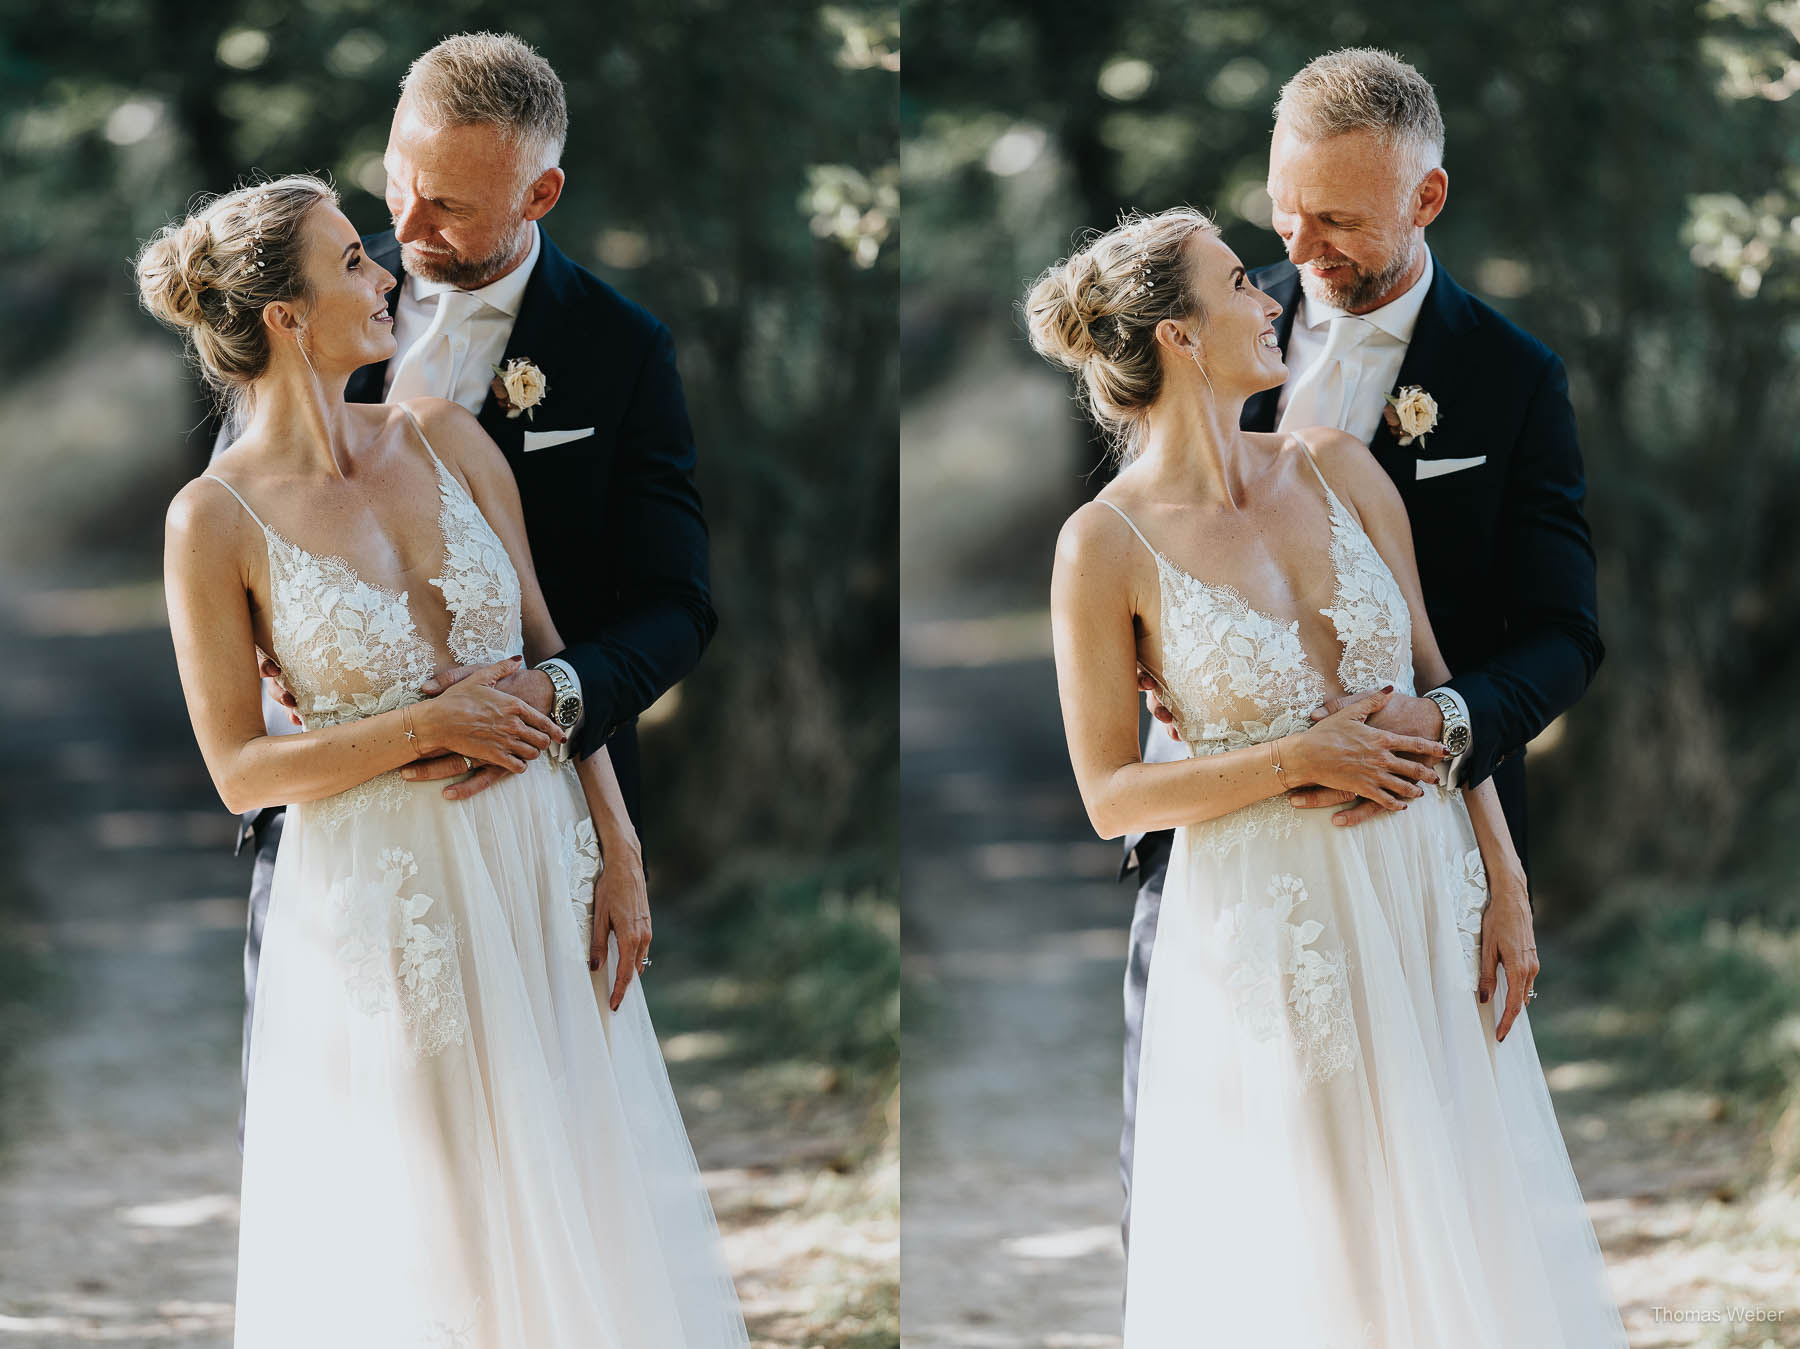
column 1457, row 735
column 565, row 698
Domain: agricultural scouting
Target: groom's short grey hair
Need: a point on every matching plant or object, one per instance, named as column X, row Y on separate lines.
column 497, row 80
column 1362, row 89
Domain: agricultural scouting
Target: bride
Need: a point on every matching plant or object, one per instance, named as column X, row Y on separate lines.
column 1340, row 1142
column 454, row 1137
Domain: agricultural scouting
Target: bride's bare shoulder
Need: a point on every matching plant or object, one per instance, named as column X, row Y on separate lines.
column 204, row 519
column 1096, row 533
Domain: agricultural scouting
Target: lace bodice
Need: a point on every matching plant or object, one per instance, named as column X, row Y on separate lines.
column 1234, row 676
column 349, row 648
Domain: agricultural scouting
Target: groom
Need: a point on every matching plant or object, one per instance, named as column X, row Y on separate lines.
column 1494, row 489
column 602, row 451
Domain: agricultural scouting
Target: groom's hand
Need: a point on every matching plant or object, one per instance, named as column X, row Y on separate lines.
column 1155, row 704
column 527, row 685
column 277, row 688
column 1404, row 714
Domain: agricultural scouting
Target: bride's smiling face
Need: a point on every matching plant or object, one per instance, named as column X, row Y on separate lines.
column 1236, row 339
column 345, row 324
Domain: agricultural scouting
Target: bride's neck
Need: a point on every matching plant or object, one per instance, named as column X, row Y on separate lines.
column 304, row 416
column 1191, row 441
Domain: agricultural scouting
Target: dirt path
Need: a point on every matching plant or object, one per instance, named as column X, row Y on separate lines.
column 118, row 1163
column 1015, row 933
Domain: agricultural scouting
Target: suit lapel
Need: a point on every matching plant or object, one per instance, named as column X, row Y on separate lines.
column 368, row 384
column 1429, row 363
column 1281, row 282
column 535, row 333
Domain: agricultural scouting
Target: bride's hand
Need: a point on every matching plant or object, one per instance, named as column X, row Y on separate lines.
column 622, row 907
column 1345, row 752
column 1507, row 939
column 474, row 718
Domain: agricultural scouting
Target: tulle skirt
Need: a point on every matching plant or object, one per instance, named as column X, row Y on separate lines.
column 1332, row 1150
column 450, row 1139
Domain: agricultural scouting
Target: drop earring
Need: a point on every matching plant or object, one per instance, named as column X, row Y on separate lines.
column 1194, row 353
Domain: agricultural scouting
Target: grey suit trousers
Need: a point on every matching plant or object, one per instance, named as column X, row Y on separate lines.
column 266, row 831
column 1153, row 863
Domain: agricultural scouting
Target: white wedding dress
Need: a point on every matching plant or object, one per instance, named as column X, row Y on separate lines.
column 450, row 1140
column 1332, row 1150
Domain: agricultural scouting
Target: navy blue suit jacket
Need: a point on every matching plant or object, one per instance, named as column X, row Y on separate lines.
column 1506, row 561
column 614, row 520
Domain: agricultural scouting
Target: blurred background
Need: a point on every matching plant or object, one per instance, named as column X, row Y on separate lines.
column 732, row 168
column 1625, row 183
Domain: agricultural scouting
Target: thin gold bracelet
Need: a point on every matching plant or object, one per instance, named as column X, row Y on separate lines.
column 406, row 724
column 1275, row 763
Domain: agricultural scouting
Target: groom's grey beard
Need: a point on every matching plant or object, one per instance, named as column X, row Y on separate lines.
column 464, row 274
column 1362, row 289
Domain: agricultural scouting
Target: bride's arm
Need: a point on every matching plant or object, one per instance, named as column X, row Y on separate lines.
column 206, row 582
column 621, row 904
column 1094, row 597
column 1507, row 930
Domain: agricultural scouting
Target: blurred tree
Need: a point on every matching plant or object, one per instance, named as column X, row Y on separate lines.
column 732, row 168
column 1624, row 177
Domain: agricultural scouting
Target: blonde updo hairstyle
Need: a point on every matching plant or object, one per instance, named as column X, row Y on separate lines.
column 210, row 276
column 1096, row 314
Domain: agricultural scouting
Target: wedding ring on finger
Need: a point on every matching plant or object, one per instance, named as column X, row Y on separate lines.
column 644, row 964
column 1530, row 993
column 468, row 764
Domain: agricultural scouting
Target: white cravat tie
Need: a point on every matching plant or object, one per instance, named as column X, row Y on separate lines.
column 1326, row 392
column 433, row 363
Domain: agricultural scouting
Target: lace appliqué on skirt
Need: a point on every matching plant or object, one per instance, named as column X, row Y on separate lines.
column 399, row 952
column 443, row 1335
column 1471, row 903
column 1264, row 950
column 581, row 859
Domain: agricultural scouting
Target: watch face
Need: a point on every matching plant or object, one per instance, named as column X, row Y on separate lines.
column 566, row 712
column 1457, row 739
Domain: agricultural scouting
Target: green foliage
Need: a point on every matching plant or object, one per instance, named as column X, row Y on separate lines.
column 732, row 168
column 812, row 960
column 1623, row 184
column 1708, row 992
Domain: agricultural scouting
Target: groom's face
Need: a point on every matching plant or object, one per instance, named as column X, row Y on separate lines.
column 457, row 200
column 1346, row 215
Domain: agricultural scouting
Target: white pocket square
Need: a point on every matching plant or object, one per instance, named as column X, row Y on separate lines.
column 539, row 440
column 1428, row 468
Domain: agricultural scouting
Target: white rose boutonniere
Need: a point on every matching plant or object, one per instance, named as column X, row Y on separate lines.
column 520, row 386
column 1411, row 414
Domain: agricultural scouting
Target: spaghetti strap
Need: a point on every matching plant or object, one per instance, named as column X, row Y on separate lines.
column 1331, row 498
column 419, row 431
column 1132, row 525
column 1301, row 441
column 240, row 500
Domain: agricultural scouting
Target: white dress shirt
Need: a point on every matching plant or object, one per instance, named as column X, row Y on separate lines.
column 1371, row 365
column 1370, row 356
column 477, row 342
